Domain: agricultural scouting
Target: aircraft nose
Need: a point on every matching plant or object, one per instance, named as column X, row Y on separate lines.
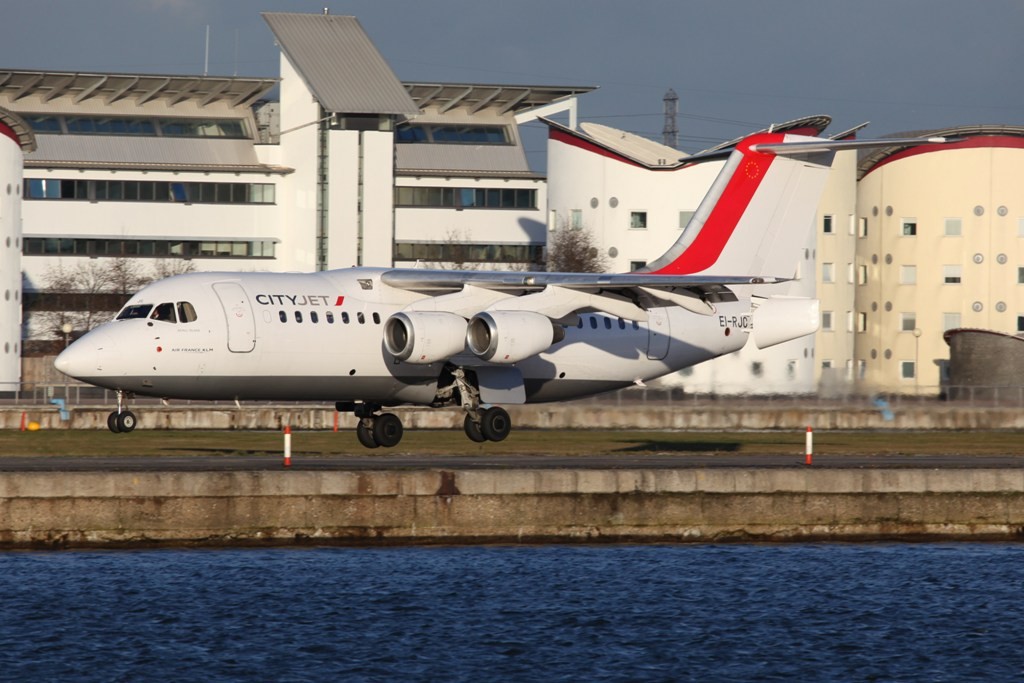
column 83, row 357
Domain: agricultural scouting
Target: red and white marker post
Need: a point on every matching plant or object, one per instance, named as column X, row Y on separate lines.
column 809, row 446
column 287, row 446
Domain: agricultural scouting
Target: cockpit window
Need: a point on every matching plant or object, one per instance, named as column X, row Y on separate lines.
column 164, row 313
column 186, row 312
column 134, row 311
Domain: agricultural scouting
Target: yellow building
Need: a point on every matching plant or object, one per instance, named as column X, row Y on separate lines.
column 939, row 244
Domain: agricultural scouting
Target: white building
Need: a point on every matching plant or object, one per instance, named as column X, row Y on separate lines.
column 15, row 140
column 349, row 167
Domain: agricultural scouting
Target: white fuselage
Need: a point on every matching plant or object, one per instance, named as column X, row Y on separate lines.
column 319, row 336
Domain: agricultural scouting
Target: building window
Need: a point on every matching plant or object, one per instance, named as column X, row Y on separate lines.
column 908, row 322
column 862, row 230
column 576, row 219
column 862, row 275
column 851, row 222
column 862, row 368
column 826, row 365
column 636, row 265
column 950, row 321
column 908, row 369
column 460, row 252
column 757, row 368
column 143, row 248
column 466, row 197
column 828, row 272
column 1020, row 227
column 954, row 227
column 862, row 322
column 849, row 273
column 908, row 275
column 826, row 321
column 826, row 224
column 909, row 227
column 149, row 191
column 638, row 220
column 1020, row 324
column 127, row 125
column 849, row 321
column 1020, row 276
column 951, row 275
column 447, row 134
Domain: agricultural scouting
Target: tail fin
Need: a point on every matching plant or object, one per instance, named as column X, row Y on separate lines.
column 758, row 214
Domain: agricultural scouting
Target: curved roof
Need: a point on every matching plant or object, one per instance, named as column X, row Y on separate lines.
column 807, row 125
column 870, row 159
column 25, row 137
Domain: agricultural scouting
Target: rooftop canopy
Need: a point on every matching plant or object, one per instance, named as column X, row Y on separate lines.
column 109, row 88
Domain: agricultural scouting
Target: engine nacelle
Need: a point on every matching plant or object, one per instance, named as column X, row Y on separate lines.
column 423, row 337
column 780, row 319
column 510, row 336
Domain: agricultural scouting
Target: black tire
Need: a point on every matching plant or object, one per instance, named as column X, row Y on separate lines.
column 473, row 430
column 387, row 430
column 126, row 421
column 495, row 424
column 112, row 423
column 364, row 433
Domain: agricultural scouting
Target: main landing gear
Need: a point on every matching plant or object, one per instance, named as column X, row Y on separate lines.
column 376, row 429
column 122, row 420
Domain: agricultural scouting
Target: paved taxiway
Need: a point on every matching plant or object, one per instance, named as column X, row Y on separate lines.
column 504, row 462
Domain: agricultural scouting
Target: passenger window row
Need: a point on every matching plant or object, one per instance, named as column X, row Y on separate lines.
column 607, row 322
column 314, row 317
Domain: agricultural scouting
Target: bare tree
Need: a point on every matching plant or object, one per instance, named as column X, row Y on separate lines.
column 167, row 267
column 90, row 292
column 574, row 250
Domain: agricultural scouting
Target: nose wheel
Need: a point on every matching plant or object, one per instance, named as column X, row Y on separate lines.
column 121, row 423
column 122, row 420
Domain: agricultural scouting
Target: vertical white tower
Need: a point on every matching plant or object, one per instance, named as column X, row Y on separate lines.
column 15, row 139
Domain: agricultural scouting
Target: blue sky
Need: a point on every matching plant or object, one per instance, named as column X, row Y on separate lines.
column 737, row 65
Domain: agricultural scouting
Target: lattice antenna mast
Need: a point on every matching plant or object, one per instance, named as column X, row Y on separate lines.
column 670, row 134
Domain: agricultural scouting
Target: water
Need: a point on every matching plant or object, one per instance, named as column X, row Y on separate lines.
column 608, row 613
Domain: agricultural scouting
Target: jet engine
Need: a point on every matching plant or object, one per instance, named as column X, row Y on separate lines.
column 424, row 337
column 511, row 336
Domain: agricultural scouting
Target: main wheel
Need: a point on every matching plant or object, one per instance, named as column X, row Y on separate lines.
column 126, row 421
column 495, row 424
column 387, row 430
column 473, row 430
column 112, row 423
column 364, row 433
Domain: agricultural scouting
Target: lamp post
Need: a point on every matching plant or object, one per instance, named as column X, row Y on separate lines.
column 67, row 329
column 917, row 363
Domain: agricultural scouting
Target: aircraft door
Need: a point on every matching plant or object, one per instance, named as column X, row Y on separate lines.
column 657, row 333
column 238, row 314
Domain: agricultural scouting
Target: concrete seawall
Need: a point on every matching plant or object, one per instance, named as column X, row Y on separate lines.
column 109, row 509
column 726, row 416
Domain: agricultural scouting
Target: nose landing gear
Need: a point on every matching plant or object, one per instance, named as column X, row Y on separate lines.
column 122, row 420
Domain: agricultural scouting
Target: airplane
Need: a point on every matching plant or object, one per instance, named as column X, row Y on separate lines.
column 371, row 338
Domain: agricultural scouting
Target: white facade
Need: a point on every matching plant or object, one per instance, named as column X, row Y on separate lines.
column 10, row 257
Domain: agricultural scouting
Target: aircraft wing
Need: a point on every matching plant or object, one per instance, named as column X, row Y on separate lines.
column 557, row 295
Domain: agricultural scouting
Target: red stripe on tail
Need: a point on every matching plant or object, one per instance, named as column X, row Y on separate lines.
column 704, row 251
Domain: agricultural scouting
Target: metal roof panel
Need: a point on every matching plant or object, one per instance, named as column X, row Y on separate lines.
column 340, row 64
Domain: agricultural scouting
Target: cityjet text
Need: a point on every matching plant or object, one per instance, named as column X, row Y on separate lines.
column 297, row 299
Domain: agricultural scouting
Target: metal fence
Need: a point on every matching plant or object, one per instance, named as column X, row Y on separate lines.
column 73, row 394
